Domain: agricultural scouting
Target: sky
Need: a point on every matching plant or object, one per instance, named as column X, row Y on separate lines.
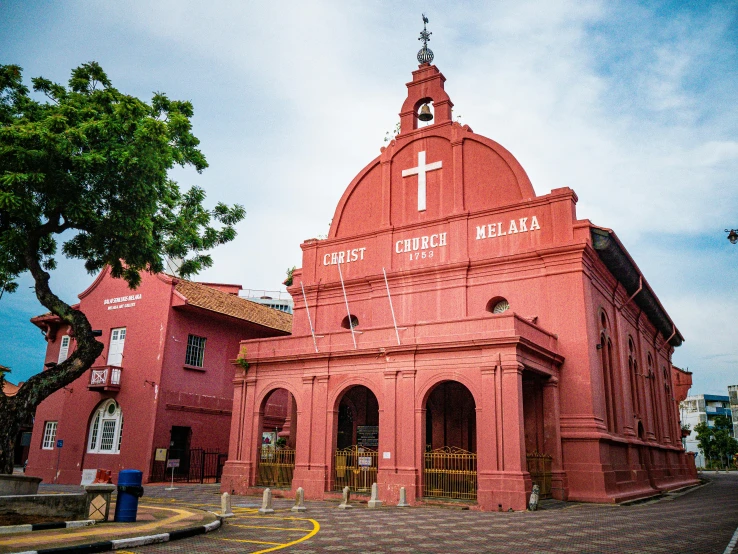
column 631, row 104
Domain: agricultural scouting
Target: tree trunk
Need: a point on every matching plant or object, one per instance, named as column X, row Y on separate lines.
column 9, row 427
column 14, row 409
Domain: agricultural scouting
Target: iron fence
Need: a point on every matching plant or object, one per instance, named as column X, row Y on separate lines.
column 355, row 468
column 196, row 465
column 276, row 467
column 450, row 472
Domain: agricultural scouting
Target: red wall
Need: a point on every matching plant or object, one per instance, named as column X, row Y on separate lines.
column 156, row 391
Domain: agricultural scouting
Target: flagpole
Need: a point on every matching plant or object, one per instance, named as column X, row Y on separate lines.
column 310, row 321
column 345, row 299
column 394, row 321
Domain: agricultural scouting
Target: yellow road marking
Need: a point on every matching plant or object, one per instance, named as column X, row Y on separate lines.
column 254, row 542
column 278, row 546
column 273, row 528
column 91, row 531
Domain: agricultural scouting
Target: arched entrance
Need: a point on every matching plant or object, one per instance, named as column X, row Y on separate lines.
column 450, row 459
column 357, row 440
column 278, row 425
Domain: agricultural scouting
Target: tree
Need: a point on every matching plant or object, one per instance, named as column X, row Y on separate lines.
column 89, row 165
column 716, row 442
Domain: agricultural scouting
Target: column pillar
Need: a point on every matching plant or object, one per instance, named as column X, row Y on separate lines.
column 552, row 438
column 487, row 439
column 514, row 480
column 239, row 472
column 310, row 456
column 387, row 467
column 408, row 440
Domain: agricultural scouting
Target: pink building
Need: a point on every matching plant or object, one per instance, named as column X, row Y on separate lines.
column 464, row 338
column 164, row 379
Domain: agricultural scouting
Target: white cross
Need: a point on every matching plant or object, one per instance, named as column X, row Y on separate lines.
column 420, row 171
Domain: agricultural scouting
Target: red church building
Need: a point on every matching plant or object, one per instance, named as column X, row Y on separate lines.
column 163, row 381
column 461, row 337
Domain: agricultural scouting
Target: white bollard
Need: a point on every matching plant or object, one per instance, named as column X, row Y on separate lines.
column 346, row 495
column 225, row 505
column 299, row 501
column 266, row 503
column 374, row 501
column 403, row 499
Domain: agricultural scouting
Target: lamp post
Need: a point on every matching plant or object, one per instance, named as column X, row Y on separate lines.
column 732, row 235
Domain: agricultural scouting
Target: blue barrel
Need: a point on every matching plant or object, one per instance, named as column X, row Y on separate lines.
column 129, row 491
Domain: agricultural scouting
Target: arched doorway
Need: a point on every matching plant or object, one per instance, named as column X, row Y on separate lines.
column 278, row 431
column 450, row 459
column 357, row 440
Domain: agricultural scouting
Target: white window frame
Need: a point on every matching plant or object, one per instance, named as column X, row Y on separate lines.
column 49, row 440
column 122, row 342
column 99, row 417
column 64, row 348
column 199, row 351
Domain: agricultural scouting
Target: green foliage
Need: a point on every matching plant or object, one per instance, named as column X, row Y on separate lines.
column 92, row 163
column 94, row 160
column 290, row 271
column 715, row 442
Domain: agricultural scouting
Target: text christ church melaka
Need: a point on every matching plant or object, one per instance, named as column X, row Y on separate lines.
column 463, row 338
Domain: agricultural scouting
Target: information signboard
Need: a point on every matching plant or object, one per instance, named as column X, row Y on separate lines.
column 173, row 463
column 367, row 435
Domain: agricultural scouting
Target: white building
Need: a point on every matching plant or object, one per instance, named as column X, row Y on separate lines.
column 701, row 408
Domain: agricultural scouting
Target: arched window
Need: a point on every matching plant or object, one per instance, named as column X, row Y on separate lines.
column 106, row 428
column 633, row 370
column 655, row 404
column 608, row 374
column 498, row 305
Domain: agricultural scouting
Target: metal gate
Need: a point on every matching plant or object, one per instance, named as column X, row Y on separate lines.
column 355, row 468
column 539, row 467
column 450, row 472
column 276, row 467
column 196, row 465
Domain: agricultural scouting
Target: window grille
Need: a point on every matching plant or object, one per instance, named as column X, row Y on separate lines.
column 195, row 351
column 93, row 434
column 49, row 435
column 108, row 434
column 106, row 428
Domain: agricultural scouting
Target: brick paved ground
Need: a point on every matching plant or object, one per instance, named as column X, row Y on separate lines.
column 701, row 521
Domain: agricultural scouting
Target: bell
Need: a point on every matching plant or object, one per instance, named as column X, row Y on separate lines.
column 425, row 113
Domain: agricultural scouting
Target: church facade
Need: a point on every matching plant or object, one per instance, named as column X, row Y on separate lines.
column 461, row 337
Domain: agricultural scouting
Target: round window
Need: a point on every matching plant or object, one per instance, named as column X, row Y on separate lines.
column 354, row 322
column 501, row 306
column 111, row 408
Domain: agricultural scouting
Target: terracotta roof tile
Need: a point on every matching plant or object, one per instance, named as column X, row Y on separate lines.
column 214, row 300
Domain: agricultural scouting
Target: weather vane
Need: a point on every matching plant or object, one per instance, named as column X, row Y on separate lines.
column 425, row 55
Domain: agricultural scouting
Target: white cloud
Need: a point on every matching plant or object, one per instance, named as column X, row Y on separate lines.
column 632, row 108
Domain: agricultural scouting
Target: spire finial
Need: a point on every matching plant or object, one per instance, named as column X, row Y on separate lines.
column 425, row 55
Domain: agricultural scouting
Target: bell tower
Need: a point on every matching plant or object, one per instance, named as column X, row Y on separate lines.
column 426, row 87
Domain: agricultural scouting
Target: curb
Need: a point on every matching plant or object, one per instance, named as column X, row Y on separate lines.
column 44, row 526
column 106, row 546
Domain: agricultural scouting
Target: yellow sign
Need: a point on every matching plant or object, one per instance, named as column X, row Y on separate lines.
column 161, row 455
